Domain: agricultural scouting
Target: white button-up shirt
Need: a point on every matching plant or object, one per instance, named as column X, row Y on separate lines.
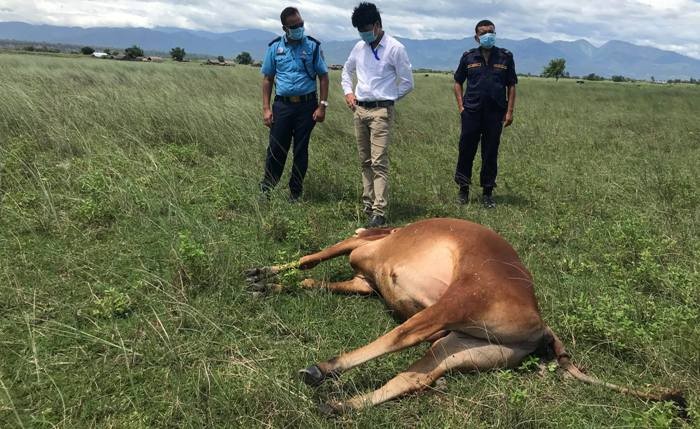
column 384, row 76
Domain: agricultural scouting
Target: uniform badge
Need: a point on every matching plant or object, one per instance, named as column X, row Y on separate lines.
column 472, row 65
column 280, row 50
column 501, row 66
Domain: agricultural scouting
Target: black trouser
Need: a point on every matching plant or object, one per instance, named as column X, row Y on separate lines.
column 483, row 125
column 290, row 120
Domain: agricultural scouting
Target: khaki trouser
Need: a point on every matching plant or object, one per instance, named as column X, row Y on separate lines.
column 373, row 131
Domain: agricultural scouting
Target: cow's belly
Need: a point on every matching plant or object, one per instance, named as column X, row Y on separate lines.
column 413, row 282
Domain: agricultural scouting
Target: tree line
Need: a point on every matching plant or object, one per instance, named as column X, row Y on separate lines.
column 557, row 69
column 177, row 54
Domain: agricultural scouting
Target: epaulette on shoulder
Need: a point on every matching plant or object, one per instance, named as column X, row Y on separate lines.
column 469, row 51
column 314, row 40
column 275, row 40
column 507, row 52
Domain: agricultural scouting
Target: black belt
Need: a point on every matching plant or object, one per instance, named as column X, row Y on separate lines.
column 371, row 104
column 296, row 98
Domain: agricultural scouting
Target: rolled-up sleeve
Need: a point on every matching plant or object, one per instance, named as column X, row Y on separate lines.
column 269, row 66
column 404, row 70
column 512, row 76
column 461, row 72
column 348, row 71
column 320, row 64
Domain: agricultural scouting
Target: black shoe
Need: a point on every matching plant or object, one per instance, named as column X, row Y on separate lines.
column 376, row 221
column 463, row 195
column 488, row 201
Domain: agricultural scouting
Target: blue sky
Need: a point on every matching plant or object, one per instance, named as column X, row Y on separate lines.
column 668, row 24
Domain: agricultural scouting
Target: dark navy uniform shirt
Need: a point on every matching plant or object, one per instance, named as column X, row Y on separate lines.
column 294, row 65
column 486, row 83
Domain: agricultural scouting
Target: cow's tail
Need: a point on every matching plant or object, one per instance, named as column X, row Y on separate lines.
column 564, row 361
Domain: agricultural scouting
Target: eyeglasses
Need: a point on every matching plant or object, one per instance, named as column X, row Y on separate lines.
column 295, row 26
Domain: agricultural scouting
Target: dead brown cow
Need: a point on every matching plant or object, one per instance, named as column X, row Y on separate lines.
column 455, row 283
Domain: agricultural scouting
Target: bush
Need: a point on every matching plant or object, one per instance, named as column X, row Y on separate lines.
column 244, row 58
column 178, row 53
column 86, row 50
column 133, row 52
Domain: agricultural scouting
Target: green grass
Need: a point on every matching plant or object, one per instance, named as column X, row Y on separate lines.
column 128, row 209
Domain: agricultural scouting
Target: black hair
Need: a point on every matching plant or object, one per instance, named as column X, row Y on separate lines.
column 483, row 23
column 365, row 14
column 287, row 12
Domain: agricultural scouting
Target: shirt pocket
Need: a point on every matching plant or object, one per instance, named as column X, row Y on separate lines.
column 474, row 72
column 285, row 63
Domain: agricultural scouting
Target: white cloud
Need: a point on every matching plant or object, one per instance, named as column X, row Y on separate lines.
column 667, row 24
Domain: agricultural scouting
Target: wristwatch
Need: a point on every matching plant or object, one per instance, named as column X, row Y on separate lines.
column 324, row 103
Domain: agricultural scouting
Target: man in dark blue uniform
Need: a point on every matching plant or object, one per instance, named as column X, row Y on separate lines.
column 486, row 107
column 292, row 63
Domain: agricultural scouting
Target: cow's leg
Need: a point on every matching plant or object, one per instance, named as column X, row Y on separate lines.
column 455, row 351
column 357, row 285
column 257, row 278
column 418, row 328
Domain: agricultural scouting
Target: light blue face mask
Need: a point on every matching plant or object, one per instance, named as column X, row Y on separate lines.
column 368, row 36
column 488, row 40
column 296, row 33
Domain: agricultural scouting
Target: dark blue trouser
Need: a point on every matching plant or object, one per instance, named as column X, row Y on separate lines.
column 290, row 120
column 484, row 125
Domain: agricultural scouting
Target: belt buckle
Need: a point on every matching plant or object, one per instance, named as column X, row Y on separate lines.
column 295, row 99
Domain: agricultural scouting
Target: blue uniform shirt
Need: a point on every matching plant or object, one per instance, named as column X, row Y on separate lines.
column 486, row 83
column 294, row 65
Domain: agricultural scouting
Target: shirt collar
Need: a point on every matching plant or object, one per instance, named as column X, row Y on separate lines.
column 382, row 42
column 286, row 41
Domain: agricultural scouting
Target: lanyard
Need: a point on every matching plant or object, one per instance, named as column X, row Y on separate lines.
column 375, row 52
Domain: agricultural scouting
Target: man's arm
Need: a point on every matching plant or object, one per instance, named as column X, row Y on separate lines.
column 404, row 71
column 459, row 90
column 268, row 70
column 346, row 80
column 460, row 77
column 508, row 119
column 320, row 113
column 266, row 96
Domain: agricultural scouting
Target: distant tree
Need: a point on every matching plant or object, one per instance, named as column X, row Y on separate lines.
column 618, row 78
column 244, row 58
column 593, row 76
column 133, row 52
column 555, row 68
column 652, row 79
column 108, row 51
column 86, row 50
column 178, row 53
column 221, row 59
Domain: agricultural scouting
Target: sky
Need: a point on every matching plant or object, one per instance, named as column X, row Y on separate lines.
column 666, row 24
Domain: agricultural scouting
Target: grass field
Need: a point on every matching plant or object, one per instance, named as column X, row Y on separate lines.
column 128, row 209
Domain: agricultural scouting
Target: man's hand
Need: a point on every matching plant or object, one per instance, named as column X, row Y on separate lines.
column 320, row 113
column 508, row 119
column 351, row 101
column 461, row 109
column 267, row 117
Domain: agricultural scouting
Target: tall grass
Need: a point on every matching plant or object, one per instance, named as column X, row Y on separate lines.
column 129, row 207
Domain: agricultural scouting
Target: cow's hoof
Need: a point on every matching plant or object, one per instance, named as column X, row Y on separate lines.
column 331, row 408
column 256, row 275
column 312, row 375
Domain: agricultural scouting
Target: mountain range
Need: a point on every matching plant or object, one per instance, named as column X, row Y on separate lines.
column 531, row 55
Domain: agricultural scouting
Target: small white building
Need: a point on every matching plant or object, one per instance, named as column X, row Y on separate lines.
column 100, row 54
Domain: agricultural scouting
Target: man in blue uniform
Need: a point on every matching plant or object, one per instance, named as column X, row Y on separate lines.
column 292, row 63
column 484, row 107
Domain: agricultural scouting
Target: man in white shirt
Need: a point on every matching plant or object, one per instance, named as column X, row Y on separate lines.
column 383, row 71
